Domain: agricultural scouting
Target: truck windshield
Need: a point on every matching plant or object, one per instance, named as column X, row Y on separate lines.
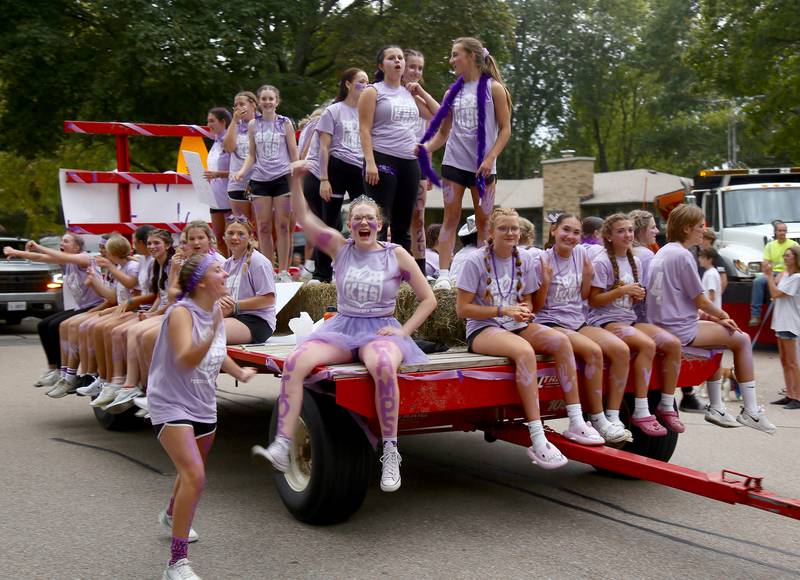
column 761, row 206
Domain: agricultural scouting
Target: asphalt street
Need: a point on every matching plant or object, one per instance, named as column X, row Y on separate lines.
column 81, row 502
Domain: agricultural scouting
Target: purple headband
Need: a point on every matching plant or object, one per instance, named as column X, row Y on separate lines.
column 197, row 275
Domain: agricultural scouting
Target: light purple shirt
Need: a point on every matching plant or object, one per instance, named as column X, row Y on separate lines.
column 367, row 282
column 461, row 150
column 621, row 309
column 219, row 160
column 258, row 279
column 473, row 279
column 272, row 151
column 75, row 283
column 238, row 158
column 174, row 393
column 340, row 121
column 131, row 268
column 564, row 305
column 395, row 121
column 672, row 286
column 305, row 133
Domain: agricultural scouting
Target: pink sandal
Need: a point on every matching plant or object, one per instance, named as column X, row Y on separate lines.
column 583, row 434
column 673, row 423
column 650, row 426
column 547, row 456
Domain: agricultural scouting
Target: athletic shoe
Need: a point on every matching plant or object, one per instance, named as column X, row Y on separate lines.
column 91, row 390
column 48, row 379
column 782, row 401
column 166, row 520
column 692, row 404
column 141, row 413
column 754, row 321
column 613, row 432
column 107, row 394
column 720, row 417
column 125, row 395
column 141, row 402
column 390, row 472
column 547, row 456
column 758, row 421
column 443, row 284
column 277, row 454
column 283, row 277
column 792, row 404
column 649, row 425
column 61, row 389
column 305, row 274
column 583, row 434
column 180, row 570
column 671, row 420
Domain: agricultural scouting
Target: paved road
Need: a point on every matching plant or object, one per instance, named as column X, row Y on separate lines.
column 81, row 502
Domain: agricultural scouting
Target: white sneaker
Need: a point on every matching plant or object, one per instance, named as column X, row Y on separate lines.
column 125, row 395
column 443, row 284
column 283, row 276
column 277, row 454
column 48, row 379
column 141, row 413
column 180, row 570
column 141, row 402
column 721, row 417
column 390, row 472
column 613, row 432
column 107, row 394
column 305, row 274
column 61, row 389
column 758, row 421
column 313, row 282
column 92, row 389
column 166, row 521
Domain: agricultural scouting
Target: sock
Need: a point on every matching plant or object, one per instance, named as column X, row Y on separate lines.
column 71, row 376
column 62, row 371
column 170, row 505
column 444, row 273
column 599, row 420
column 284, row 442
column 667, row 402
column 102, row 380
column 178, row 550
column 612, row 415
column 421, row 265
column 641, row 408
column 536, row 430
column 714, row 389
column 749, row 396
column 575, row 414
column 118, row 381
column 389, row 441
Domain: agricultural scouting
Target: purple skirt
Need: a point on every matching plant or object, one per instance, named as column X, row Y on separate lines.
column 353, row 332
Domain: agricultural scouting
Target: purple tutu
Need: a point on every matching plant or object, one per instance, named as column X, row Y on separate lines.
column 353, row 332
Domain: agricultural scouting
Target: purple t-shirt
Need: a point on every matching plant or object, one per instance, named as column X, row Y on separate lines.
column 340, row 121
column 645, row 255
column 621, row 309
column 461, row 150
column 367, row 282
column 312, row 157
column 131, row 268
column 564, row 305
column 75, row 283
column 219, row 160
column 395, row 120
column 173, row 393
column 672, row 286
column 272, row 151
column 238, row 158
column 473, row 278
column 305, row 133
column 258, row 279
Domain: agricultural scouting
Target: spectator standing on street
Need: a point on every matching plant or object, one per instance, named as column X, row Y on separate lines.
column 711, row 278
column 773, row 255
column 786, row 321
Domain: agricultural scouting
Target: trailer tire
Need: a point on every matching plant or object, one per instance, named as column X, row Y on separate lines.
column 660, row 448
column 330, row 463
column 127, row 421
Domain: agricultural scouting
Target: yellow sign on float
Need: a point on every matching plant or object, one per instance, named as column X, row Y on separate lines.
column 195, row 144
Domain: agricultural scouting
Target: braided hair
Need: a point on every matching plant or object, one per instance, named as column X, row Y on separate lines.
column 515, row 255
column 608, row 225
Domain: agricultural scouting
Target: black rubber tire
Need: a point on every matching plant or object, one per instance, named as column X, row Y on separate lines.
column 13, row 319
column 127, row 421
column 660, row 448
column 341, row 463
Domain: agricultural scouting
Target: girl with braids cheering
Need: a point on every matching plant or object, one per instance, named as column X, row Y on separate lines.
column 387, row 114
column 273, row 148
column 494, row 295
column 237, row 144
column 566, row 277
column 249, row 308
column 189, row 352
column 616, row 289
column 475, row 121
column 368, row 276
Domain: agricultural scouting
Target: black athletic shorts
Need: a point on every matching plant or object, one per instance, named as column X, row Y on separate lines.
column 260, row 331
column 554, row 325
column 461, row 177
column 275, row 188
column 200, row 429
column 213, row 210
column 471, row 338
column 240, row 195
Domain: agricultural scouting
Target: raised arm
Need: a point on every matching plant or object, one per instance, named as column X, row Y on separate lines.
column 48, row 256
column 325, row 238
column 126, row 279
column 366, row 117
column 426, row 104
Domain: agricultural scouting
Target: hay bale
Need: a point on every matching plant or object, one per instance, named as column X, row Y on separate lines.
column 442, row 326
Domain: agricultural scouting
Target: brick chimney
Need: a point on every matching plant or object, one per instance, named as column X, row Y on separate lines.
column 565, row 182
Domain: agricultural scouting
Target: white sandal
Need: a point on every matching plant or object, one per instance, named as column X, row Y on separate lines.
column 547, row 456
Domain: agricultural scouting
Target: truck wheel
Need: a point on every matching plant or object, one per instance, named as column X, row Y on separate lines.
column 13, row 319
column 127, row 421
column 660, row 448
column 329, row 463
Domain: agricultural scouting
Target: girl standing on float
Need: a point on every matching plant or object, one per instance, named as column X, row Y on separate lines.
column 475, row 121
column 249, row 306
column 335, row 161
column 388, row 113
column 674, row 295
column 272, row 150
column 616, row 288
column 188, row 355
column 368, row 276
column 495, row 287
column 237, row 143
column 219, row 161
column 566, row 277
